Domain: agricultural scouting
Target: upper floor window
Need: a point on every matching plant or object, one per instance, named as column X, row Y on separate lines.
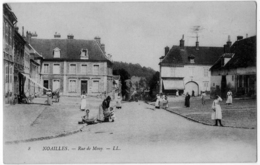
column 83, row 68
column 56, row 68
column 46, row 68
column 56, row 53
column 84, row 54
column 72, row 68
column 206, row 72
column 95, row 69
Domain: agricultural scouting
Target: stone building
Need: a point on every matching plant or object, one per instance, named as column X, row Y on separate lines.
column 74, row 66
column 9, row 21
column 235, row 70
column 186, row 68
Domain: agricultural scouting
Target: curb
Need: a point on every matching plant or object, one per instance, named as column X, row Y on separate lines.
column 197, row 121
column 45, row 138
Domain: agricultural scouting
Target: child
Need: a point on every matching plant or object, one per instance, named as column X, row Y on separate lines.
column 83, row 103
column 118, row 101
column 203, row 97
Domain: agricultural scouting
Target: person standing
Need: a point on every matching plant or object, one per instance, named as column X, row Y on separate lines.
column 203, row 97
column 217, row 112
column 177, row 93
column 229, row 97
column 49, row 97
column 104, row 111
column 83, row 103
column 157, row 102
column 187, row 100
column 118, row 101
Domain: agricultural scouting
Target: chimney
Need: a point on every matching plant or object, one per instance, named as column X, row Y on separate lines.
column 227, row 46
column 239, row 38
column 229, row 42
column 182, row 42
column 103, row 48
column 70, row 36
column 98, row 39
column 23, row 32
column 246, row 35
column 28, row 37
column 197, row 42
column 166, row 50
column 56, row 35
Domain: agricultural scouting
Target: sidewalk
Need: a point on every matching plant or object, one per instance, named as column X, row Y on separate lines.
column 36, row 121
column 241, row 114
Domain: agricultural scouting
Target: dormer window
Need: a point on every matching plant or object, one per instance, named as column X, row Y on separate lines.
column 56, row 53
column 84, row 54
column 191, row 59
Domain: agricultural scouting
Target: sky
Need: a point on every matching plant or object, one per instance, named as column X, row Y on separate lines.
column 138, row 32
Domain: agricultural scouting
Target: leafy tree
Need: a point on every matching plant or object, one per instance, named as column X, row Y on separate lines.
column 154, row 82
column 124, row 75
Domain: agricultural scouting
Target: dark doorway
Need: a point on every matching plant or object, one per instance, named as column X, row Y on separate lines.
column 46, row 85
column 223, row 87
column 84, row 87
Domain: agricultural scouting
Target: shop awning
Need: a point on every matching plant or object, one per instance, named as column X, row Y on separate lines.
column 34, row 81
column 173, row 84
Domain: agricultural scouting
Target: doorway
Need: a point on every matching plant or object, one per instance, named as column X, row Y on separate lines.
column 46, row 85
column 84, row 86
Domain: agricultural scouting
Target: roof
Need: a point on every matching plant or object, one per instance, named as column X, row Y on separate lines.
column 244, row 55
column 70, row 49
column 203, row 56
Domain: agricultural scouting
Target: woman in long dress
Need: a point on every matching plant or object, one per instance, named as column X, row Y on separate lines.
column 217, row 112
column 49, row 97
column 157, row 102
column 104, row 110
column 83, row 102
column 118, row 101
column 187, row 100
column 229, row 97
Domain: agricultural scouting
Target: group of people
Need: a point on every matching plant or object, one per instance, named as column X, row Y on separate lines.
column 161, row 101
column 105, row 112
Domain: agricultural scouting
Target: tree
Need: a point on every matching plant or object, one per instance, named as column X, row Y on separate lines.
column 124, row 75
column 154, row 82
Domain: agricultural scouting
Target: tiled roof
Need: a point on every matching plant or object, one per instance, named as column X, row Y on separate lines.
column 70, row 49
column 244, row 55
column 203, row 56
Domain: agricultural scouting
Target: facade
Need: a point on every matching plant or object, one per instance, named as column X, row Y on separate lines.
column 74, row 66
column 9, row 21
column 235, row 70
column 186, row 68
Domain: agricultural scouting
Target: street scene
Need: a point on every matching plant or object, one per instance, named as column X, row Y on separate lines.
column 129, row 83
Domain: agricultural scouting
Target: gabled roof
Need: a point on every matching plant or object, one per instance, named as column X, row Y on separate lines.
column 70, row 49
column 203, row 56
column 244, row 55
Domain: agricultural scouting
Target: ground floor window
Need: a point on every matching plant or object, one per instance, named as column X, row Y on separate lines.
column 55, row 85
column 72, row 85
column 95, row 86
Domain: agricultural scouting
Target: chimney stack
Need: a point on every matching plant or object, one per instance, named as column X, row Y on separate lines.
column 56, row 35
column 70, row 36
column 239, row 38
column 16, row 28
column 103, row 48
column 182, row 42
column 98, row 39
column 28, row 37
column 23, row 32
column 166, row 50
column 246, row 35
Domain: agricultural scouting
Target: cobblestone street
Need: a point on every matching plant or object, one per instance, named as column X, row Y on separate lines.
column 139, row 134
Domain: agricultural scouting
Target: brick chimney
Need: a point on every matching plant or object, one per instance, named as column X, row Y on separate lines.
column 98, row 39
column 227, row 46
column 103, row 48
column 229, row 43
column 28, row 37
column 70, row 36
column 182, row 42
column 56, row 35
column 167, row 49
column 23, row 32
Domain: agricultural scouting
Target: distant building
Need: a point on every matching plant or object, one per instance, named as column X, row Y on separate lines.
column 9, row 21
column 186, row 68
column 236, row 69
column 74, row 66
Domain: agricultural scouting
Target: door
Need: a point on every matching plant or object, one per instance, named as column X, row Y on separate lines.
column 84, row 87
column 95, row 86
column 46, row 85
column 56, row 85
column 192, row 88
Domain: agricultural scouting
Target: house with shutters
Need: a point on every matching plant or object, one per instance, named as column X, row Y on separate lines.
column 186, row 68
column 74, row 66
column 235, row 69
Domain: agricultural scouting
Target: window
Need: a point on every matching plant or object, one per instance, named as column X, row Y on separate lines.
column 6, row 32
column 10, row 35
column 206, row 72
column 213, row 84
column 84, row 54
column 95, row 69
column 233, row 78
column 55, row 85
column 72, row 68
column 72, row 85
column 56, row 69
column 95, row 86
column 6, row 73
column 192, row 61
column 10, row 74
column 46, row 68
column 206, row 84
column 83, row 68
column 56, row 53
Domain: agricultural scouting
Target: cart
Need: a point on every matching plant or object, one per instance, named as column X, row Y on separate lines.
column 56, row 95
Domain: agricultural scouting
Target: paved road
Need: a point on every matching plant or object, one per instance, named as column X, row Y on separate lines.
column 141, row 134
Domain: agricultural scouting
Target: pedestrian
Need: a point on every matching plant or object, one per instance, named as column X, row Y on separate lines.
column 118, row 101
column 83, row 103
column 157, row 102
column 229, row 97
column 177, row 93
column 49, row 97
column 203, row 97
column 164, row 102
column 217, row 112
column 187, row 100
column 105, row 111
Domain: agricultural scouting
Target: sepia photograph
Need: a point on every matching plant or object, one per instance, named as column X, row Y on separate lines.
column 129, row 82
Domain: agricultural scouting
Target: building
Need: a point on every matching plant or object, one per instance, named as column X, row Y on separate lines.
column 9, row 21
column 186, row 68
column 74, row 66
column 235, row 70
